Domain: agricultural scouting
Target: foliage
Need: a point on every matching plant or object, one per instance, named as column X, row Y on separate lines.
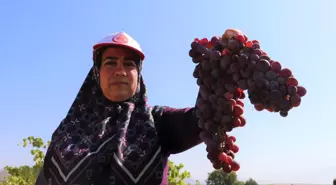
column 26, row 175
column 251, row 182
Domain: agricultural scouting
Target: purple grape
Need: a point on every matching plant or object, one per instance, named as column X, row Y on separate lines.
column 254, row 57
column 214, row 64
column 245, row 72
column 194, row 45
column 242, row 84
column 284, row 113
column 234, row 58
column 263, row 65
column 236, row 77
column 274, row 85
column 270, row 75
column 243, row 59
column 215, row 55
column 205, row 66
column 257, row 51
column 225, row 62
column 215, row 73
column 234, row 67
column 265, row 57
column 256, row 46
column 292, row 90
column 202, row 49
column 281, row 80
column 258, row 75
column 233, row 45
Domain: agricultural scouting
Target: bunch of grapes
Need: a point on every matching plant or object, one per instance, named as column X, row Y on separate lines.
column 226, row 67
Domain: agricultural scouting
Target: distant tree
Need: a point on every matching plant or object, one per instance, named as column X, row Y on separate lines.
column 218, row 177
column 238, row 183
column 175, row 174
column 250, row 182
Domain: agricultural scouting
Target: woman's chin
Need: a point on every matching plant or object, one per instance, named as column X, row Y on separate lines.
column 120, row 97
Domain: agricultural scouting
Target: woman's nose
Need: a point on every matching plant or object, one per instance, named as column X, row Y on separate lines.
column 120, row 71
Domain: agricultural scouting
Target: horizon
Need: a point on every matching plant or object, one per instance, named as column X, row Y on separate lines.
column 46, row 54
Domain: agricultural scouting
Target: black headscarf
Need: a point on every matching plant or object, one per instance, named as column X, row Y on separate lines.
column 101, row 141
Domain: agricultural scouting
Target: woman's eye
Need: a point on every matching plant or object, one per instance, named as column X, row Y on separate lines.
column 130, row 63
column 111, row 63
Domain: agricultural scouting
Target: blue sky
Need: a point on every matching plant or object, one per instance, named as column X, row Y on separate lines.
column 46, row 49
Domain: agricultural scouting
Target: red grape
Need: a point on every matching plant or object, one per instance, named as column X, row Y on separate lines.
column 259, row 107
column 242, row 121
column 301, row 91
column 233, row 138
column 214, row 40
column 276, row 67
column 286, row 73
column 229, row 159
column 235, row 166
column 239, row 102
column 204, row 41
column 226, row 52
column 236, row 122
column 255, row 42
column 223, row 157
column 235, row 148
column 249, row 44
column 238, row 110
column 240, row 38
column 292, row 81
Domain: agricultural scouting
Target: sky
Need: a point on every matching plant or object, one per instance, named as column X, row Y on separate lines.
column 46, row 49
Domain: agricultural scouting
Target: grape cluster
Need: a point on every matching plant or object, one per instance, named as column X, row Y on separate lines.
column 226, row 67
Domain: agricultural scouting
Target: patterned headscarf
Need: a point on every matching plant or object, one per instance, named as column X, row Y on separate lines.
column 98, row 134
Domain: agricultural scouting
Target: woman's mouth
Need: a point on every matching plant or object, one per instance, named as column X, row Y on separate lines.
column 119, row 83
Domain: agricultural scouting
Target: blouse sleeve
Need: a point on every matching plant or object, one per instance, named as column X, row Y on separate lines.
column 178, row 129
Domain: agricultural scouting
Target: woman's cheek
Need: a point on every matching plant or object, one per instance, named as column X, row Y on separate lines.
column 134, row 78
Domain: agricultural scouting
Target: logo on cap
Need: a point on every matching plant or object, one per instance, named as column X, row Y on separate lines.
column 120, row 38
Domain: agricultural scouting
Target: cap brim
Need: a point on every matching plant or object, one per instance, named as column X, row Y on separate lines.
column 140, row 53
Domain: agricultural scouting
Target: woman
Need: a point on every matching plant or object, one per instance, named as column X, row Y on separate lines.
column 110, row 135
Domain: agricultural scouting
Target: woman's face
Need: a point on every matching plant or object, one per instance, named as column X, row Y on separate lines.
column 118, row 74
